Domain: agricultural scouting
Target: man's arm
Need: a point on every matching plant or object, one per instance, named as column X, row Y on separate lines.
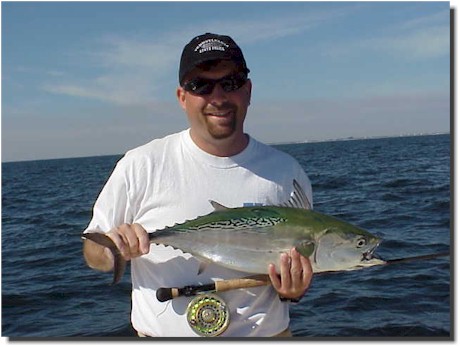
column 97, row 257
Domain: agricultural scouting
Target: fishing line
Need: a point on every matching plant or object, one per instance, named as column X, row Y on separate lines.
column 418, row 257
column 164, row 310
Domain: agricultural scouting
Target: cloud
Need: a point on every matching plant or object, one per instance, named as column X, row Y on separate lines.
column 420, row 44
column 129, row 69
column 426, row 20
column 281, row 25
column 38, row 71
column 117, row 88
column 419, row 38
column 133, row 54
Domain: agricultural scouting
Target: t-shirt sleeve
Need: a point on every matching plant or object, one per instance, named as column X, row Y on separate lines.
column 112, row 207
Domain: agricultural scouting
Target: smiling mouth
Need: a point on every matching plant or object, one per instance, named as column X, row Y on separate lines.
column 220, row 114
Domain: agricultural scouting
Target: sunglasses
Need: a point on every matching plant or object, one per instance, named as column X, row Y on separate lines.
column 203, row 86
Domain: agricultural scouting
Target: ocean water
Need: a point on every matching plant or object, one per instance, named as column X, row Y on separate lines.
column 397, row 188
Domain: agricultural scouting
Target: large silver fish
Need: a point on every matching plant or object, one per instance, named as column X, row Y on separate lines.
column 249, row 238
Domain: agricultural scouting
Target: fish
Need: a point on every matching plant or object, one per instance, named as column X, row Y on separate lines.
column 247, row 239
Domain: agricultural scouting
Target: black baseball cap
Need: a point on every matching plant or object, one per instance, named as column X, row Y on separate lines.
column 209, row 47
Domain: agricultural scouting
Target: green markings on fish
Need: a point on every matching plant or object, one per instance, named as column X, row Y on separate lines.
column 243, row 218
column 249, row 238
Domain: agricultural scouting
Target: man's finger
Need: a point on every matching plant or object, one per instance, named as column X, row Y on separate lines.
column 307, row 271
column 119, row 242
column 285, row 270
column 296, row 268
column 274, row 277
column 142, row 238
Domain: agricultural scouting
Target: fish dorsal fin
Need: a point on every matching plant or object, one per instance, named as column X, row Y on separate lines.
column 217, row 206
column 298, row 198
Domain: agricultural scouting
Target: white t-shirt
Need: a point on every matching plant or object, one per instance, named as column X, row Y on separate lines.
column 171, row 180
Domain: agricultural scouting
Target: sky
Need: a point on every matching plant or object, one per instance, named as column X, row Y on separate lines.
column 96, row 78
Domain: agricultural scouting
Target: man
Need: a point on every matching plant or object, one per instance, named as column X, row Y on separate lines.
column 171, row 180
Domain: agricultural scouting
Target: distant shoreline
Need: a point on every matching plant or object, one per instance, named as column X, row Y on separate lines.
column 351, row 138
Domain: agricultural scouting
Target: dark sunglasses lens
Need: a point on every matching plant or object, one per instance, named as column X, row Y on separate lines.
column 232, row 83
column 203, row 86
column 199, row 86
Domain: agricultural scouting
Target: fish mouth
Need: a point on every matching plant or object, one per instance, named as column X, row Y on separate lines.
column 369, row 255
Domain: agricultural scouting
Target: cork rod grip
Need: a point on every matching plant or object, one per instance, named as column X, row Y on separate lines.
column 238, row 283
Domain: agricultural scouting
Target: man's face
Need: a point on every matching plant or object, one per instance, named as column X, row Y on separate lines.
column 219, row 114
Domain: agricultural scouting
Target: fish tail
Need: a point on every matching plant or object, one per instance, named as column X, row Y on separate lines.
column 119, row 265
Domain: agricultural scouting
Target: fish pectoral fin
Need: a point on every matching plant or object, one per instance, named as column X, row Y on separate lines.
column 305, row 248
column 119, row 268
column 203, row 264
column 217, row 206
column 119, row 265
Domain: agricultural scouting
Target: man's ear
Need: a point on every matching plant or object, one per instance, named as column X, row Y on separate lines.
column 248, row 88
column 180, row 93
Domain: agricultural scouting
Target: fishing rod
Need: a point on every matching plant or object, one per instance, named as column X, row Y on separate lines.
column 165, row 294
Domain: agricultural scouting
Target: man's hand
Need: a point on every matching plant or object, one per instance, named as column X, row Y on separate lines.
column 295, row 275
column 131, row 239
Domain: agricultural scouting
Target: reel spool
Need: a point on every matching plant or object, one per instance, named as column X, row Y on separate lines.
column 208, row 315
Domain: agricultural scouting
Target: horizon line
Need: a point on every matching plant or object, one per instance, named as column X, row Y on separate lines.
column 350, row 138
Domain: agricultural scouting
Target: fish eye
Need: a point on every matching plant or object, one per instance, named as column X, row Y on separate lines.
column 361, row 242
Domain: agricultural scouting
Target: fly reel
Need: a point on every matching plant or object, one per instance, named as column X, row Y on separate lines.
column 208, row 315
